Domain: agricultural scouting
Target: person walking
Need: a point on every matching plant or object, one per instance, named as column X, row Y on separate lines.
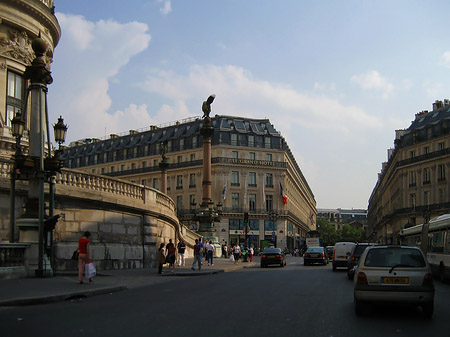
column 252, row 252
column 181, row 249
column 209, row 252
column 161, row 258
column 236, row 253
column 83, row 255
column 198, row 252
column 171, row 252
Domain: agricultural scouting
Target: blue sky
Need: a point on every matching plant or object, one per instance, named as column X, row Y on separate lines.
column 336, row 78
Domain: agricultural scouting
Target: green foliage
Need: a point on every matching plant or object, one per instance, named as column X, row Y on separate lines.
column 330, row 235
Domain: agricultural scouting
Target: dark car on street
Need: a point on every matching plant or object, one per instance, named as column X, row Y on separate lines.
column 315, row 255
column 354, row 258
column 273, row 256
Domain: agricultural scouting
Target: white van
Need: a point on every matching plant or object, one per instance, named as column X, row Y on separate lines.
column 341, row 253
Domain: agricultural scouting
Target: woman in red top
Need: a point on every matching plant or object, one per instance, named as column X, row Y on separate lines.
column 83, row 254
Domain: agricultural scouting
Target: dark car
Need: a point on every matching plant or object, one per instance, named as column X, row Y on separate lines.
column 315, row 255
column 354, row 258
column 273, row 256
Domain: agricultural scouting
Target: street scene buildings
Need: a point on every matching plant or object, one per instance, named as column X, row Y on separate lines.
column 413, row 185
column 265, row 196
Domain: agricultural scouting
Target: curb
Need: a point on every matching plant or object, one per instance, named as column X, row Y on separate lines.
column 60, row 298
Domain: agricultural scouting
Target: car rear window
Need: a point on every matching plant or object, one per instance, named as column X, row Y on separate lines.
column 389, row 257
column 315, row 250
column 359, row 249
column 272, row 250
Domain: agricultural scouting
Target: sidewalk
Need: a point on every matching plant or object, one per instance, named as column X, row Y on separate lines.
column 28, row 291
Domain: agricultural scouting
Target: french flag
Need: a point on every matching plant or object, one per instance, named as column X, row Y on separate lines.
column 283, row 195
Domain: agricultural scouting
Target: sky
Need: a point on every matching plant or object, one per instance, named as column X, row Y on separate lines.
column 336, row 78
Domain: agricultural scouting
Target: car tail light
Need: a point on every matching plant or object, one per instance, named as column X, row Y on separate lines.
column 362, row 278
column 305, row 255
column 427, row 280
column 353, row 258
column 280, row 256
column 263, row 256
column 334, row 254
column 323, row 255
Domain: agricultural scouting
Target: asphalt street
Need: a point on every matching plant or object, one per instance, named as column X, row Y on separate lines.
column 291, row 301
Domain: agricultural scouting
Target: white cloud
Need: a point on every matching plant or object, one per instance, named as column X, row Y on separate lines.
column 167, row 7
column 373, row 80
column 238, row 92
column 88, row 57
column 445, row 59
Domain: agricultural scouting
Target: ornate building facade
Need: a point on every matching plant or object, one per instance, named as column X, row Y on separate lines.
column 266, row 199
column 413, row 184
column 20, row 22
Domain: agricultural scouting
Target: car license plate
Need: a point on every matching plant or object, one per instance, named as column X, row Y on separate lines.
column 342, row 257
column 314, row 255
column 395, row 280
column 270, row 256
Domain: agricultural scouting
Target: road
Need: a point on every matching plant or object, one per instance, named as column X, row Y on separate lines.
column 274, row 301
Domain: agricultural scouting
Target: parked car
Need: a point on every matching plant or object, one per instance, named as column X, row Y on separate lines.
column 341, row 253
column 394, row 274
column 273, row 256
column 329, row 250
column 315, row 255
column 354, row 258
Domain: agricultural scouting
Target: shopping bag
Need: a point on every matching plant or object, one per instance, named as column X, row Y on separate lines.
column 232, row 258
column 89, row 270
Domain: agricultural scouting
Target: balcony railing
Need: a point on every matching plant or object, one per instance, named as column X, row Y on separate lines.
column 12, row 255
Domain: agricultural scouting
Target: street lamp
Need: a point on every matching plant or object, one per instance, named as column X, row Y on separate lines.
column 17, row 128
column 60, row 130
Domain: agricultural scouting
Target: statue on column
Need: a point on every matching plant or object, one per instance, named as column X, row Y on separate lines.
column 206, row 108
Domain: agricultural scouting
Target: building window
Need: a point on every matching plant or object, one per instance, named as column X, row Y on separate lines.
column 14, row 97
column 252, row 179
column 192, row 201
column 144, row 164
column 155, row 183
column 112, row 169
column 270, row 225
column 192, row 180
column 269, row 203
column 269, row 180
column 426, row 150
column 412, row 154
column 235, row 201
column 179, row 159
column 251, row 141
column 234, row 178
column 426, row 198
column 168, row 183
column 234, row 154
column 252, row 156
column 103, row 170
column 426, row 176
column 194, row 142
column 179, row 182
column 412, row 200
column 155, row 162
column 235, row 225
column 252, row 202
column 192, row 156
column 441, row 172
column 412, row 179
column 441, row 146
column 122, row 167
column 268, row 156
column 144, row 182
column 133, row 166
column 267, row 142
column 181, row 144
column 179, row 202
column 234, row 139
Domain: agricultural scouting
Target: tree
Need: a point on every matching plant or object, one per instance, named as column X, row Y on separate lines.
column 327, row 232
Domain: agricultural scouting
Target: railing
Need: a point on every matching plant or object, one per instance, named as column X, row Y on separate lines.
column 12, row 255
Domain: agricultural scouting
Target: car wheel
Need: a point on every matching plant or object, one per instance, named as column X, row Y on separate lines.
column 428, row 309
column 441, row 273
column 281, row 264
column 334, row 267
column 359, row 307
column 349, row 274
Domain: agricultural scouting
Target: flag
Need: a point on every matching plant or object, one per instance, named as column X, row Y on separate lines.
column 283, row 195
column 224, row 192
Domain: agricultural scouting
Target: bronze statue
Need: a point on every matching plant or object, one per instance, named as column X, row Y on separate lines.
column 163, row 150
column 206, row 107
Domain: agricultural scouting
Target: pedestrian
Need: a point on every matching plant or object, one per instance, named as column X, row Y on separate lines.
column 181, row 249
column 171, row 252
column 225, row 250
column 236, row 253
column 83, row 255
column 252, row 252
column 161, row 258
column 198, row 251
column 201, row 250
column 210, row 253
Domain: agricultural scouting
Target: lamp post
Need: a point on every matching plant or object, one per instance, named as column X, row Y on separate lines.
column 207, row 213
column 273, row 217
column 17, row 128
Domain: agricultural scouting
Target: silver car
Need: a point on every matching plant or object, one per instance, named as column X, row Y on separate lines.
column 394, row 274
